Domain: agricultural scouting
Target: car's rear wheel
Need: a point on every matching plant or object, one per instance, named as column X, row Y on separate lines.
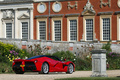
column 45, row 68
column 19, row 72
column 70, row 69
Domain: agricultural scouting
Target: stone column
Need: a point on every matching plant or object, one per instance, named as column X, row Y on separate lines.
column 31, row 24
column 99, row 63
column 16, row 35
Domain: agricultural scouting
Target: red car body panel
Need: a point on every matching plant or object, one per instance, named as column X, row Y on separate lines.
column 36, row 64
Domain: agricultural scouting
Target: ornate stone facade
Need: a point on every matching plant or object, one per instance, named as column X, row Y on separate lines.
column 80, row 14
column 85, row 14
column 13, row 14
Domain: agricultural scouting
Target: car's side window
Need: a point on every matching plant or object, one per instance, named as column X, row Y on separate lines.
column 54, row 58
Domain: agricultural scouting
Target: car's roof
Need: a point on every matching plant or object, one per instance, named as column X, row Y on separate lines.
column 39, row 56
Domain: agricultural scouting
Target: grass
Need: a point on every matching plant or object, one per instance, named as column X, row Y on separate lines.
column 92, row 78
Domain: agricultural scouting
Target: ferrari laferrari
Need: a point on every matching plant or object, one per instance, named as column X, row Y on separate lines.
column 42, row 64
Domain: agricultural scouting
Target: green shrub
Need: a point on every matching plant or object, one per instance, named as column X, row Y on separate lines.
column 83, row 64
column 113, row 59
column 64, row 55
column 107, row 47
column 5, row 67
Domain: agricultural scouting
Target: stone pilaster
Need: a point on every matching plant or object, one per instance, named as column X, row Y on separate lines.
column 16, row 32
column 31, row 24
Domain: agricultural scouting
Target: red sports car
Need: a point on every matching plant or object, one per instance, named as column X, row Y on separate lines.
column 42, row 64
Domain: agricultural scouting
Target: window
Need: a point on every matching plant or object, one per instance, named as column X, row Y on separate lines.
column 73, row 30
column 8, row 30
column 42, row 30
column 57, row 30
column 106, row 28
column 24, row 30
column 89, row 29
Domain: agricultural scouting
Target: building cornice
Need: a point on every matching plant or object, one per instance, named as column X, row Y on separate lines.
column 117, row 12
column 70, row 15
column 41, row 16
column 56, row 15
column 105, row 13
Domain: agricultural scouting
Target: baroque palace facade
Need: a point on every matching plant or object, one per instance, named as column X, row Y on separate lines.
column 61, row 20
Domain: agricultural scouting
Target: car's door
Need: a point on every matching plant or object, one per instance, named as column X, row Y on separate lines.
column 58, row 66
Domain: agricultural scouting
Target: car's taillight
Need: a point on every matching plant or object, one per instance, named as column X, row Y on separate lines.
column 35, row 61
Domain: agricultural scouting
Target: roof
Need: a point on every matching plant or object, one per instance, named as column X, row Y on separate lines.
column 24, row 1
column 48, row 0
column 14, row 1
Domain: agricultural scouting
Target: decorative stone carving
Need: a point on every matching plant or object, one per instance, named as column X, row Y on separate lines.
column 57, row 6
column 41, row 8
column 105, row 4
column 72, row 6
column 118, row 3
column 88, row 9
column 8, row 14
column 24, row 16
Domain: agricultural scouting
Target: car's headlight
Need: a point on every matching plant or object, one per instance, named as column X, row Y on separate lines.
column 35, row 61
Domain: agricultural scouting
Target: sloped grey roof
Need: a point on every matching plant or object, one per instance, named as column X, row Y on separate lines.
column 15, row 1
column 49, row 0
column 23, row 1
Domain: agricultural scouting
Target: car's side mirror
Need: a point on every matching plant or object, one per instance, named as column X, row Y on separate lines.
column 64, row 59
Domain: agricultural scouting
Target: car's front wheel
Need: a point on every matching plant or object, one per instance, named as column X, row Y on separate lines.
column 45, row 68
column 70, row 69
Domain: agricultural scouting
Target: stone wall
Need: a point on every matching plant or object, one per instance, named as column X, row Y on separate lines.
column 78, row 48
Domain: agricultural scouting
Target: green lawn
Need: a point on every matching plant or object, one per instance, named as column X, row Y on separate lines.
column 92, row 78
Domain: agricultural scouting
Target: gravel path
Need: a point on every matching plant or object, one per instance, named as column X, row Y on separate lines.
column 52, row 76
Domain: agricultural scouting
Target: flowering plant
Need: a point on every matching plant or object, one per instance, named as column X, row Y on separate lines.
column 113, row 60
column 113, row 55
column 8, row 53
column 88, row 57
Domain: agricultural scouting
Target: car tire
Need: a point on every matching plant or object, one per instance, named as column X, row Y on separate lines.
column 70, row 69
column 45, row 68
column 19, row 72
